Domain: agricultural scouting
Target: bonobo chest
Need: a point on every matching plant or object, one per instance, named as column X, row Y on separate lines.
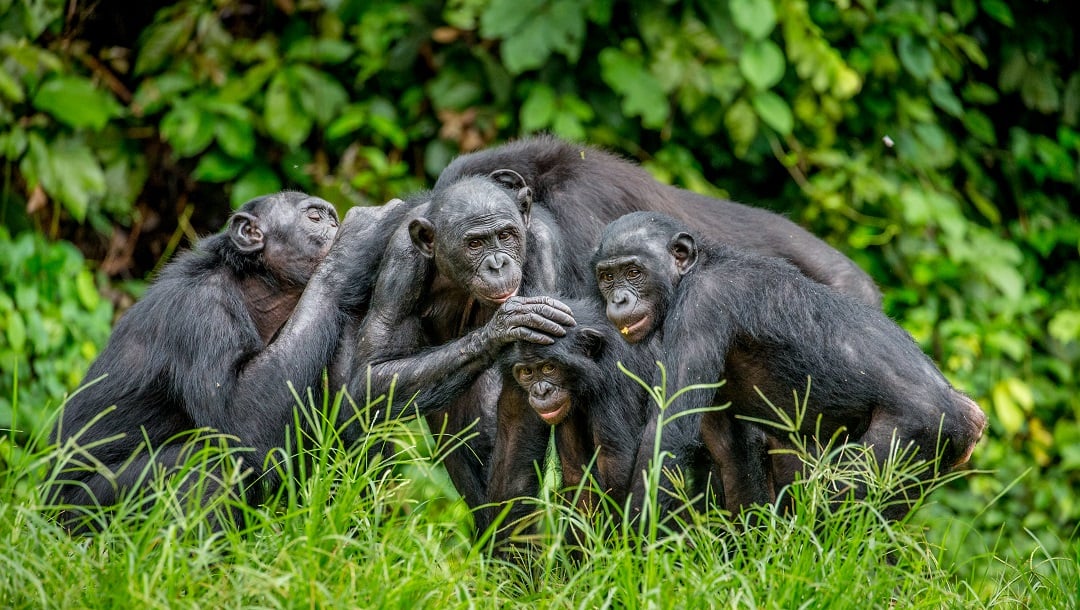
column 451, row 312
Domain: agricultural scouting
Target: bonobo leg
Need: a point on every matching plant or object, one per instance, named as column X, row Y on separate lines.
column 741, row 450
column 521, row 444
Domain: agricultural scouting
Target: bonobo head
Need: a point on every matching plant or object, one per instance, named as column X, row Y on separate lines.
column 475, row 231
column 640, row 260
column 287, row 233
column 555, row 376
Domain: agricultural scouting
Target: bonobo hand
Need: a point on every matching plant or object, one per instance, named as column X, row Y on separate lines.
column 533, row 319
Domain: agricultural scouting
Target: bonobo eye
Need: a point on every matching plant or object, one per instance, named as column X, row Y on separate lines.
column 607, row 276
column 474, row 244
column 314, row 214
column 504, row 235
column 525, row 372
column 548, row 368
column 633, row 273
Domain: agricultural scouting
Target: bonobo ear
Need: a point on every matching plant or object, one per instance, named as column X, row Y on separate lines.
column 245, row 233
column 683, row 248
column 516, row 182
column 423, row 236
column 593, row 342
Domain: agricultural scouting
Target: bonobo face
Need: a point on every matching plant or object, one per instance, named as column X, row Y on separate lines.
column 475, row 232
column 545, row 383
column 638, row 266
column 293, row 231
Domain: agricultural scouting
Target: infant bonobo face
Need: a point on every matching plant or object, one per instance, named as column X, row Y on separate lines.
column 545, row 383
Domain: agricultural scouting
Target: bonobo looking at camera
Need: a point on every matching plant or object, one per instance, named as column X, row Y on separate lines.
column 212, row 347
column 575, row 385
column 760, row 324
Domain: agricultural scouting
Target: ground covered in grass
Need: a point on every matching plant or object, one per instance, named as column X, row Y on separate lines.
column 347, row 533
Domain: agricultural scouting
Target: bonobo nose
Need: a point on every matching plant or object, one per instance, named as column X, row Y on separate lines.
column 542, row 389
column 496, row 262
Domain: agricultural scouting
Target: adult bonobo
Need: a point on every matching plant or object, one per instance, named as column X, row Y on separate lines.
column 584, row 188
column 759, row 324
column 455, row 286
column 213, row 344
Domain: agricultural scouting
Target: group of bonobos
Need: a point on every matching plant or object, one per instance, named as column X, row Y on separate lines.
column 500, row 303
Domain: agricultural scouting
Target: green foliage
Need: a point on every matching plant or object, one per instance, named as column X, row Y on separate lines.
column 936, row 143
column 55, row 322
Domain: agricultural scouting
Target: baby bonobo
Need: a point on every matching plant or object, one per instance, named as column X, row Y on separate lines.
column 575, row 384
column 757, row 322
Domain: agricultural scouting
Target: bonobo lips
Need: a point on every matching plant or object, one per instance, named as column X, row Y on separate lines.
column 553, row 412
column 634, row 331
column 501, row 298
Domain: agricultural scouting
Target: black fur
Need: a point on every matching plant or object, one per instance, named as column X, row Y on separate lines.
column 760, row 324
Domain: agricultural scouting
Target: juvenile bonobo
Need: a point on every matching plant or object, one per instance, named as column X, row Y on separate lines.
column 211, row 346
column 455, row 287
column 575, row 385
column 758, row 323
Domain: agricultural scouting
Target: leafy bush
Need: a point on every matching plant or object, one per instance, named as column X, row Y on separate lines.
column 55, row 322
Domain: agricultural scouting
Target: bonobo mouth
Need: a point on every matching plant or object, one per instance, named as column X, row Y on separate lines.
column 497, row 299
column 553, row 410
column 634, row 331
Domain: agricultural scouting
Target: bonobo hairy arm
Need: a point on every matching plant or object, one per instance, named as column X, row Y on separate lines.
column 260, row 404
column 688, row 360
column 436, row 375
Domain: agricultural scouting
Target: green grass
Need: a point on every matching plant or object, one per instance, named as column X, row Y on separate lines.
column 348, row 533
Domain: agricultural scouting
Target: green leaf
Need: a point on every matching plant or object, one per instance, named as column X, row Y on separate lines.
column 539, row 108
column 16, row 331
column 762, row 64
column 741, row 124
column 87, row 290
column 999, row 11
column 161, row 41
column 755, row 17
column 235, row 138
column 942, row 95
column 1065, row 325
column 965, row 10
column 774, row 111
column 532, row 29
column 320, row 95
column 641, row 93
column 10, row 87
column 915, row 57
column 257, row 181
column 217, row 167
column 285, row 118
column 188, row 129
column 319, row 50
column 68, row 171
column 74, row 100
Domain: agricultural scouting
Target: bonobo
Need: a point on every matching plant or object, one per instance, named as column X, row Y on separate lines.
column 575, row 385
column 758, row 323
column 456, row 284
column 584, row 188
column 213, row 344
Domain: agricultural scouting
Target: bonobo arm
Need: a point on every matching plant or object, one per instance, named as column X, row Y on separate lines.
column 691, row 356
column 248, row 397
column 436, row 375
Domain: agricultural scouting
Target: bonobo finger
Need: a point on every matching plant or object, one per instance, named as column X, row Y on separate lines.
column 522, row 333
column 550, row 302
column 536, row 321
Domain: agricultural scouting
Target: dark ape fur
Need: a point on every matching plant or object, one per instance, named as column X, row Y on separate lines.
column 585, row 188
column 724, row 313
column 603, row 410
column 212, row 345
